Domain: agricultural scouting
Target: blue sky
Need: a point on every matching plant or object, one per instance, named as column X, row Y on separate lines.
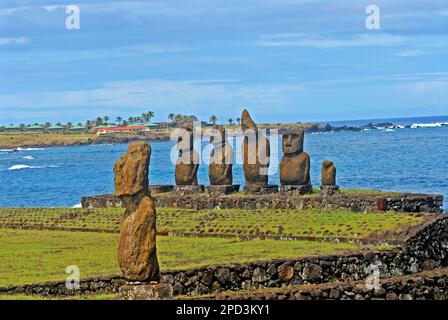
column 286, row 60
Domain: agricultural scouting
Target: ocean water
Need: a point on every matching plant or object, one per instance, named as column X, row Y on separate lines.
column 412, row 160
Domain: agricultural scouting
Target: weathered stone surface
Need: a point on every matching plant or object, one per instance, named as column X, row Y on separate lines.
column 137, row 256
column 256, row 152
column 222, row 189
column 187, row 163
column 131, row 171
column 296, row 189
column 146, row 292
column 328, row 173
column 285, row 272
column 221, row 158
column 261, row 189
column 295, row 164
column 403, row 202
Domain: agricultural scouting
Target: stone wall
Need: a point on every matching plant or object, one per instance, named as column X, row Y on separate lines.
column 359, row 203
column 423, row 286
column 424, row 249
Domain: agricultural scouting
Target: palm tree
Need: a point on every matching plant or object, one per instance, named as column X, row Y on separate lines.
column 59, row 124
column 171, row 117
column 178, row 119
column 213, row 119
column 69, row 125
column 119, row 120
column 125, row 123
column 106, row 118
column 47, row 125
column 131, row 120
column 230, row 121
column 238, row 120
column 99, row 121
column 150, row 115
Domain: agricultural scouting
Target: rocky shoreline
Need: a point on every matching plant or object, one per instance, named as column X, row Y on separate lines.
column 157, row 136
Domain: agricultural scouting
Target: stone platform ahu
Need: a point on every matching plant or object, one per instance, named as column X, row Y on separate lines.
column 137, row 254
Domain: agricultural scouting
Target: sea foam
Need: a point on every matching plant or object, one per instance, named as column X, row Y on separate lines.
column 24, row 166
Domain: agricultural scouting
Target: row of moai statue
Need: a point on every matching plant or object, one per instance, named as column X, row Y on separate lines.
column 294, row 166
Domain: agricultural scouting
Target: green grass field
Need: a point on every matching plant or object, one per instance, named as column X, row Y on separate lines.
column 33, row 256
column 266, row 222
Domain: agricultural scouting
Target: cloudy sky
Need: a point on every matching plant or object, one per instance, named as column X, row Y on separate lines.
column 286, row 60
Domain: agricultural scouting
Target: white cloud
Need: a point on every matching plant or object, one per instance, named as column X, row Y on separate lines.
column 10, row 11
column 408, row 53
column 20, row 41
column 52, row 8
column 190, row 94
column 310, row 40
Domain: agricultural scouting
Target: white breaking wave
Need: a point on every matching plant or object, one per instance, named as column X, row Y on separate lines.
column 429, row 125
column 77, row 206
column 24, row 166
column 28, row 157
column 29, row 149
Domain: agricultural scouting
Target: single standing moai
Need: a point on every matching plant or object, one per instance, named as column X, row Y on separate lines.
column 328, row 177
column 137, row 256
column 295, row 164
column 221, row 163
column 256, row 157
column 187, row 163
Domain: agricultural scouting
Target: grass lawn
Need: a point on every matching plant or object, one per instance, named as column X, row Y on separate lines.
column 13, row 140
column 32, row 256
column 271, row 222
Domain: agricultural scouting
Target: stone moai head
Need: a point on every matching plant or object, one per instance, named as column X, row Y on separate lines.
column 218, row 136
column 131, row 171
column 185, row 141
column 247, row 122
column 292, row 141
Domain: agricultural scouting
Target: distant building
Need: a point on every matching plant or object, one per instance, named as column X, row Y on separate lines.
column 12, row 128
column 77, row 129
column 56, row 129
column 35, row 128
column 119, row 129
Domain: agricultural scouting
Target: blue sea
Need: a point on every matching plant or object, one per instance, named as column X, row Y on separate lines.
column 412, row 160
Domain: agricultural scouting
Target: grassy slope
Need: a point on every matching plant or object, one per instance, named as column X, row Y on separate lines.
column 14, row 140
column 270, row 222
column 31, row 256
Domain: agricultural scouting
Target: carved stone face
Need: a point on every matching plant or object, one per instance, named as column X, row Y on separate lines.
column 293, row 142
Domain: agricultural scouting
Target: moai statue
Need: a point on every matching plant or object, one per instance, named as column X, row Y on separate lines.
column 328, row 176
column 256, row 156
column 221, row 163
column 295, row 164
column 187, row 163
column 137, row 256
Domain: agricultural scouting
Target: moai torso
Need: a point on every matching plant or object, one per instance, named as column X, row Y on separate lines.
column 328, row 173
column 295, row 164
column 187, row 163
column 256, row 153
column 220, row 168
